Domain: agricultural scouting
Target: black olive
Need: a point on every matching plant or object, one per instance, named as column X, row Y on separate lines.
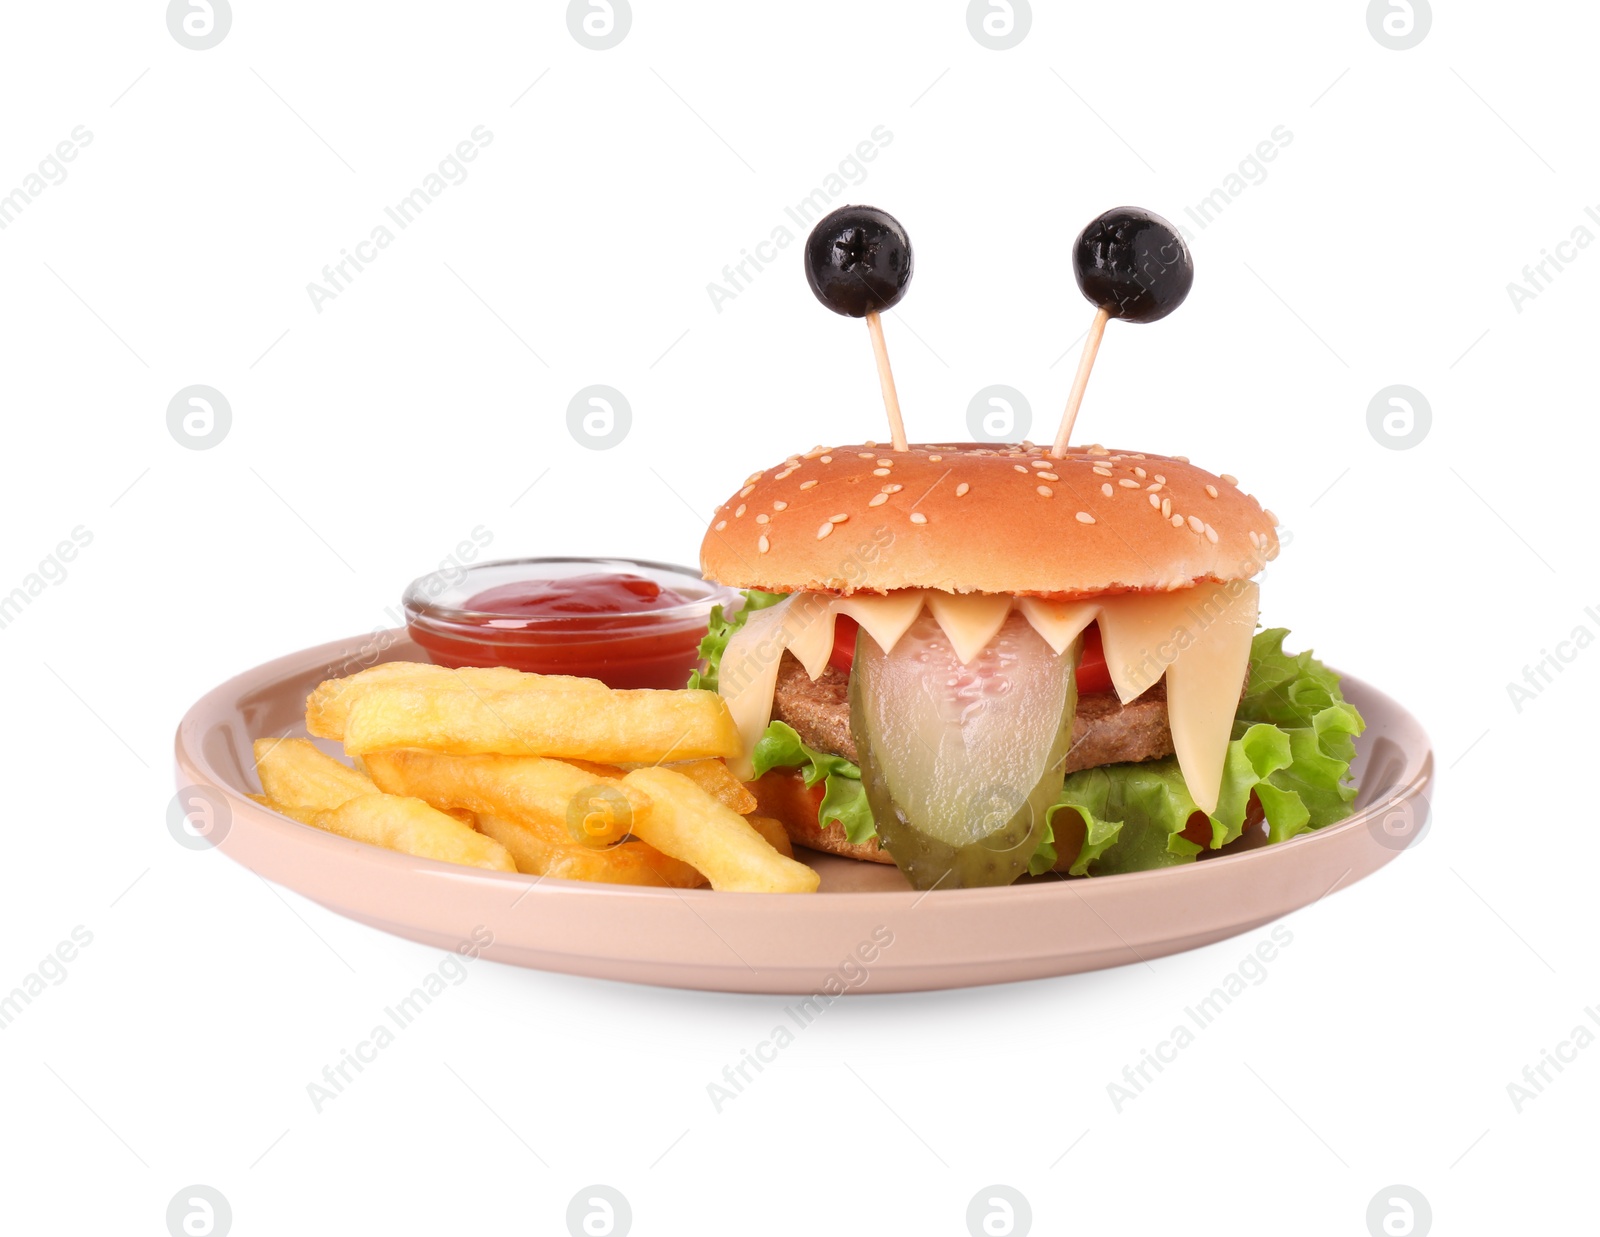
column 1133, row 264
column 858, row 260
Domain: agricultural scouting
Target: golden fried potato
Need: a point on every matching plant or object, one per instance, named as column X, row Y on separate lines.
column 717, row 780
column 688, row 824
column 409, row 825
column 596, row 725
column 299, row 773
column 773, row 831
column 630, row 863
column 329, row 705
column 548, row 795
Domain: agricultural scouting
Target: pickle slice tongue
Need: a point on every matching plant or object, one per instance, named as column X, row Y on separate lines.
column 960, row 762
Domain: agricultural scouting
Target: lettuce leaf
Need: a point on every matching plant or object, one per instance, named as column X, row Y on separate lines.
column 1293, row 741
column 844, row 799
column 715, row 642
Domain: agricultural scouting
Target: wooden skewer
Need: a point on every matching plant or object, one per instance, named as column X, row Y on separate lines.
column 1091, row 345
column 891, row 401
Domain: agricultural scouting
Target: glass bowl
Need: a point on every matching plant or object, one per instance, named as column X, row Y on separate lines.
column 650, row 648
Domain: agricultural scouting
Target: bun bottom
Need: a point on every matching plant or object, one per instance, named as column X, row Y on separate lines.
column 784, row 795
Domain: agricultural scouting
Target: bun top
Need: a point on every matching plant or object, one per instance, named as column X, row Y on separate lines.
column 980, row 518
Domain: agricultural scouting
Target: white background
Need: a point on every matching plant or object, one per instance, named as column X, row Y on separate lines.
column 369, row 438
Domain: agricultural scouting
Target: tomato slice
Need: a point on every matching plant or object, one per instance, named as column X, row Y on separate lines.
column 1092, row 673
column 844, row 644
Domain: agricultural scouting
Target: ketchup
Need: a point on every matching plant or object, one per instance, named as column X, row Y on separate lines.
column 623, row 629
column 590, row 594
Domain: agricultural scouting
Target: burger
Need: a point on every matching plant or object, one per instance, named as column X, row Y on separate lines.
column 987, row 662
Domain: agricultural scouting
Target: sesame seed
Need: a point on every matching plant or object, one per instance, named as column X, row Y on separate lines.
column 1085, row 518
column 778, row 504
column 1105, row 488
column 1041, row 463
column 1230, row 478
column 1096, row 449
column 1270, row 517
column 806, row 485
column 1128, row 483
column 1166, row 507
column 1160, row 480
column 1019, row 468
column 762, row 518
column 1153, row 487
column 1155, row 501
column 837, row 519
column 1177, row 521
column 721, row 524
column 763, row 544
column 960, row 489
column 918, row 518
column 1211, row 534
column 885, row 463
column 752, row 478
column 1139, row 472
column 1103, row 472
column 780, row 476
column 738, row 511
column 1211, row 490
column 745, row 493
column 893, row 489
column 869, row 443
column 863, row 455
column 824, row 531
column 880, row 472
column 1197, row 524
column 877, row 500
column 1182, row 459
column 935, row 458
column 1047, row 476
column 1044, row 491
column 1255, row 538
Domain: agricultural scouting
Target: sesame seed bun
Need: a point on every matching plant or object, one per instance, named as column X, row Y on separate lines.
column 976, row 518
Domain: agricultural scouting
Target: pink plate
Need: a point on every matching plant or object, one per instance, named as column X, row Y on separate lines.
column 865, row 931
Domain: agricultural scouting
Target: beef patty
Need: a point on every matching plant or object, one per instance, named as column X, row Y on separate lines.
column 1104, row 730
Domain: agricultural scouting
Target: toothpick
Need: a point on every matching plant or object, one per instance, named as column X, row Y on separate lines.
column 1091, row 345
column 891, row 401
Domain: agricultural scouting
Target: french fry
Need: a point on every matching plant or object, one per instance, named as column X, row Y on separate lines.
column 773, row 831
column 329, row 705
column 717, row 780
column 596, row 725
column 630, row 863
column 688, row 824
column 542, row 794
column 305, row 783
column 298, row 773
column 409, row 825
column 538, row 809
